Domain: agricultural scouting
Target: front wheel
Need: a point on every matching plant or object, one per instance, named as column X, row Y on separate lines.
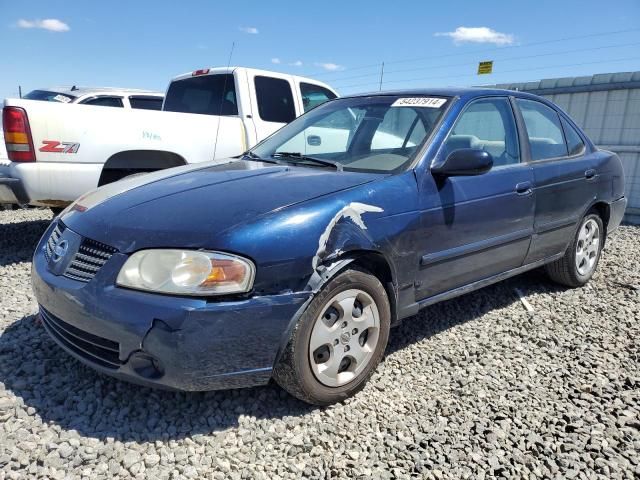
column 338, row 341
column 579, row 262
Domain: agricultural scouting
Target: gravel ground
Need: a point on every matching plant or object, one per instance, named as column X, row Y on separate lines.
column 475, row 387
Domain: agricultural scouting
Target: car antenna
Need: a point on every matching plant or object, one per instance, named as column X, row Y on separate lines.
column 74, row 88
column 224, row 89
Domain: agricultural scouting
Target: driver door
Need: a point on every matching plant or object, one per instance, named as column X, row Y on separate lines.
column 475, row 227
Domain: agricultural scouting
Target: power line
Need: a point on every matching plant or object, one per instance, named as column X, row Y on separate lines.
column 475, row 52
column 504, row 71
column 519, row 57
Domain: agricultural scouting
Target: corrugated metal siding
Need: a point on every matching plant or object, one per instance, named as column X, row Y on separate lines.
column 607, row 107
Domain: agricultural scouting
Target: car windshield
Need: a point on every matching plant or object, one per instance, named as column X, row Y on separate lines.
column 48, row 96
column 381, row 133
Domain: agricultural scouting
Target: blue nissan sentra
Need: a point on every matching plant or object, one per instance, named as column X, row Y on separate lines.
column 293, row 260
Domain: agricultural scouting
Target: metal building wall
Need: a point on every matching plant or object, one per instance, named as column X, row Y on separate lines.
column 607, row 107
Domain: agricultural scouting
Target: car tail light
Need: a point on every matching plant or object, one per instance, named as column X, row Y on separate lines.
column 203, row 71
column 17, row 135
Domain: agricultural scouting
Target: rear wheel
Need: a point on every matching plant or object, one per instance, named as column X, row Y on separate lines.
column 338, row 341
column 579, row 262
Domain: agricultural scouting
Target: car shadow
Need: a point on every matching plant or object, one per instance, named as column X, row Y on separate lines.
column 18, row 240
column 447, row 314
column 63, row 391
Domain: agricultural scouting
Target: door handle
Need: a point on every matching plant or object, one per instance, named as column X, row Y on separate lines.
column 524, row 188
column 589, row 174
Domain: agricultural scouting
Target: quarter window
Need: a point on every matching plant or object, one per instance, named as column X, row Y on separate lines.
column 275, row 100
column 488, row 125
column 314, row 95
column 544, row 130
column 574, row 141
column 105, row 102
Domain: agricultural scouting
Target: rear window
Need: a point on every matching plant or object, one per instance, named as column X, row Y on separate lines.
column 48, row 96
column 146, row 103
column 205, row 95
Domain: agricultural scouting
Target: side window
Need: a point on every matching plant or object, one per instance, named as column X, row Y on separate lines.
column 275, row 100
column 204, row 95
column 105, row 102
column 146, row 103
column 314, row 95
column 488, row 125
column 574, row 141
column 544, row 130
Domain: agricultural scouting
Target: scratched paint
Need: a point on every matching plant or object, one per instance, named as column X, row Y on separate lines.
column 353, row 212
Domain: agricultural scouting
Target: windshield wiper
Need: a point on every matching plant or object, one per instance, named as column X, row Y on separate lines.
column 299, row 156
column 249, row 155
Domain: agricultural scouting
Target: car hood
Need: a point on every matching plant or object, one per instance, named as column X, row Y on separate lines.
column 189, row 206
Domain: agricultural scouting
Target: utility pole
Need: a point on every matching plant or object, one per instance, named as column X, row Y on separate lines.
column 381, row 76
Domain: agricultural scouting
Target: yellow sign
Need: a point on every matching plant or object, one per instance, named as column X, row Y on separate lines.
column 485, row 68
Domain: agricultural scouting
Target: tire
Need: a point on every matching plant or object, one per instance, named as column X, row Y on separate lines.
column 320, row 340
column 581, row 259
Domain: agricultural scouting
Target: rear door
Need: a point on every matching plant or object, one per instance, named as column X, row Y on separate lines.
column 475, row 227
column 564, row 177
column 273, row 102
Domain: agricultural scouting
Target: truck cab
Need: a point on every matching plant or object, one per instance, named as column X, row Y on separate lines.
column 60, row 150
column 264, row 100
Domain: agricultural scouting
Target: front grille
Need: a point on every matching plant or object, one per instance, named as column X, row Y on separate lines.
column 88, row 260
column 53, row 238
column 98, row 350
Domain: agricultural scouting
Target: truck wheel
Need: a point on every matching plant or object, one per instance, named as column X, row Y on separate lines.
column 581, row 258
column 338, row 341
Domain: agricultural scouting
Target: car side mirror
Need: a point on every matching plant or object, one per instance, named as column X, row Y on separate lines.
column 464, row 161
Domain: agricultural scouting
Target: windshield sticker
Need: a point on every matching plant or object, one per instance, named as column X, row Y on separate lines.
column 61, row 98
column 427, row 102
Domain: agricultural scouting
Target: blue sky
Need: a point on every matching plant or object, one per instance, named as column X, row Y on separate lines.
column 144, row 43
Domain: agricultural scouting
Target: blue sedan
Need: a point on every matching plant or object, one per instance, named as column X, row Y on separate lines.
column 293, row 260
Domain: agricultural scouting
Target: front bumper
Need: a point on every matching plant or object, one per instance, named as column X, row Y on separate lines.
column 163, row 341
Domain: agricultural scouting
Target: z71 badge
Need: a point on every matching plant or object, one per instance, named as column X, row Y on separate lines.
column 53, row 146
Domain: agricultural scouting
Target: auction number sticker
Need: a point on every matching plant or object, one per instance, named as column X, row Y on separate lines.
column 62, row 98
column 428, row 102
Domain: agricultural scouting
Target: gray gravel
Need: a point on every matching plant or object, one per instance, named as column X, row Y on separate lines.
column 472, row 388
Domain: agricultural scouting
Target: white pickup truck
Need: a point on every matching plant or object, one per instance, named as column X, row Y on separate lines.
column 57, row 152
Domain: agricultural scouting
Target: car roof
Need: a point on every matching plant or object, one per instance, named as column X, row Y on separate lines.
column 81, row 91
column 466, row 93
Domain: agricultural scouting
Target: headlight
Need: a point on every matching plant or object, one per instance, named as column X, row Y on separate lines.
column 186, row 272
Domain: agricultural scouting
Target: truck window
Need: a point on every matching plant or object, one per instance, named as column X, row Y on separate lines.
column 205, row 95
column 314, row 95
column 275, row 100
column 146, row 103
column 48, row 96
column 104, row 102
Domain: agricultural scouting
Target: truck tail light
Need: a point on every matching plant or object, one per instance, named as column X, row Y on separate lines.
column 203, row 71
column 17, row 135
